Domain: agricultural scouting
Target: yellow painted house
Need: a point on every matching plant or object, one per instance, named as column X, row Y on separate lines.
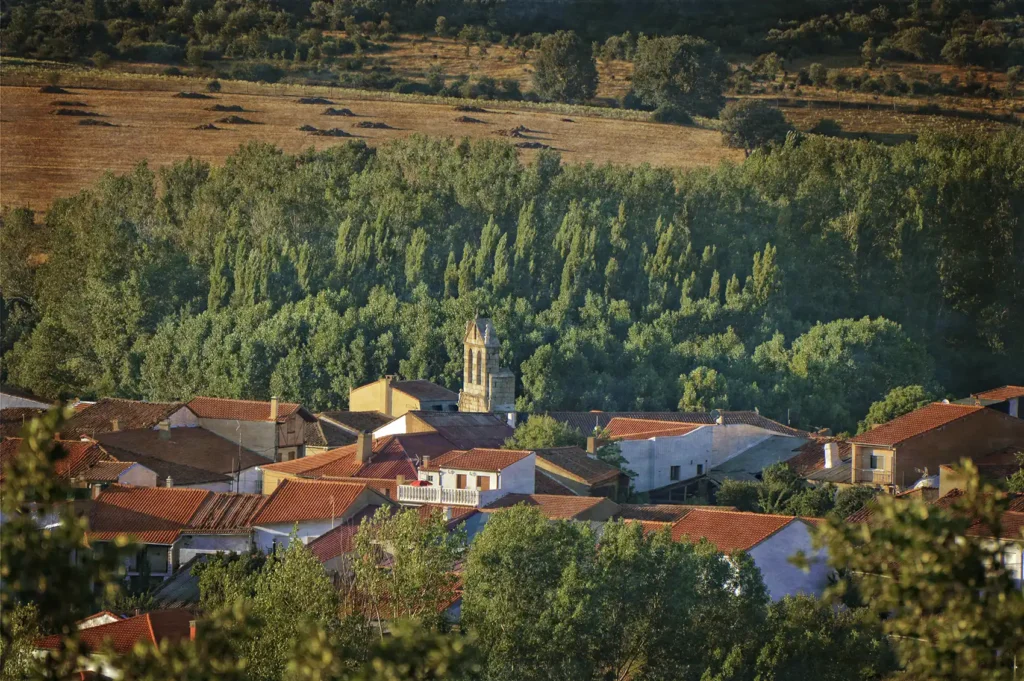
column 394, row 398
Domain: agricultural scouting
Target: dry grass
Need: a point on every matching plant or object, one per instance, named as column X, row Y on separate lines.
column 43, row 157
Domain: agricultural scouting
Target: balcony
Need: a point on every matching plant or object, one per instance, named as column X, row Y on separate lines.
column 448, row 496
column 874, row 476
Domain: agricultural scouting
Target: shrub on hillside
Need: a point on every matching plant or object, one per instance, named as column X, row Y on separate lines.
column 564, row 70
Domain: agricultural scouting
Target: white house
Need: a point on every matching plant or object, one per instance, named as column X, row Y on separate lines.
column 309, row 509
column 476, row 477
column 770, row 540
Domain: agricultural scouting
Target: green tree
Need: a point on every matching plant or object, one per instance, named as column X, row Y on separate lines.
column 739, row 493
column 750, row 124
column 818, row 74
column 540, row 431
column 680, row 72
column 849, row 500
column 565, row 70
column 704, row 389
column 896, row 403
column 961, row 582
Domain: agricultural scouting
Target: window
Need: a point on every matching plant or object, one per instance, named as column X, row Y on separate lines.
column 483, row 482
column 469, row 361
column 877, row 461
column 1012, row 560
column 673, row 473
column 479, row 372
column 460, row 481
column 438, row 407
column 700, row 469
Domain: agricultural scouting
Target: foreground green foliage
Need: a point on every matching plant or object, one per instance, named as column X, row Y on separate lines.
column 781, row 491
column 306, row 275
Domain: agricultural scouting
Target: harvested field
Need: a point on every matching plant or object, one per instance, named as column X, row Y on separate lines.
column 470, row 108
column 43, row 157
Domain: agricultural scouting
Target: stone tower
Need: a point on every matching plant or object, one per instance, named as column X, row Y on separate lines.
column 486, row 387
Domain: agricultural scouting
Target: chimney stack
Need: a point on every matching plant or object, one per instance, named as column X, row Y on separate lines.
column 170, row 481
column 115, row 425
column 95, row 492
column 400, row 480
column 831, row 454
column 192, row 630
column 592, row 445
column 364, row 447
column 426, row 462
column 164, row 428
column 273, row 408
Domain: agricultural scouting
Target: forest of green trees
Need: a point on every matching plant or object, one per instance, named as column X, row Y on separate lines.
column 808, row 281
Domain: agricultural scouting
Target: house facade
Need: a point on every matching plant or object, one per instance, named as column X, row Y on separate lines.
column 472, row 478
column 393, row 397
column 274, row 430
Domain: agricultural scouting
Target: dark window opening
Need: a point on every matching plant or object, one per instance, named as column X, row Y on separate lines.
column 673, row 473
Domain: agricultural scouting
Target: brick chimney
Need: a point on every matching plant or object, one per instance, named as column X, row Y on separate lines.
column 364, row 447
column 95, row 492
column 831, row 454
column 164, row 428
column 426, row 462
column 115, row 425
column 273, row 408
column 592, row 445
column 192, row 630
column 400, row 480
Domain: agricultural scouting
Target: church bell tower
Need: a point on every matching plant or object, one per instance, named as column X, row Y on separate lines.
column 486, row 386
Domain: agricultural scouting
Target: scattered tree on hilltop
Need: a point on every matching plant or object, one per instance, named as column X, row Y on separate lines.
column 564, row 70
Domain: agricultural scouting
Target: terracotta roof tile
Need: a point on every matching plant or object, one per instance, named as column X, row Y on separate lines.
column 650, row 526
column 295, row 501
column 1007, row 392
column 13, row 418
column 490, row 460
column 810, row 457
column 662, row 513
column 729, row 530
column 130, row 415
column 917, row 422
column 226, row 513
column 80, row 457
column 425, row 391
column 358, row 421
column 642, row 429
column 152, row 515
column 151, row 627
column 193, row 447
column 180, row 474
column 108, row 471
column 466, row 430
column 543, row 484
column 341, row 539
column 554, row 507
column 241, row 410
column 579, row 464
column 393, row 455
column 315, row 437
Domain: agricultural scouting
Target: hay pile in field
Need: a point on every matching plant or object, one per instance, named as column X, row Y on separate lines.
column 206, row 126
column 226, row 107
column 468, row 119
column 469, row 108
column 237, row 120
column 373, row 124
column 331, row 132
column 568, row 120
column 75, row 112
column 53, row 90
column 330, row 111
column 314, row 100
column 307, row 128
column 93, row 121
column 532, row 145
column 514, row 132
column 192, row 95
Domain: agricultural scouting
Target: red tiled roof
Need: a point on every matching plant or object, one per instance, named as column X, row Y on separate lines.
column 13, row 419
column 357, row 421
column 577, row 463
column 466, row 430
column 296, row 500
column 241, row 410
column 227, row 513
column 543, row 484
column 80, row 457
column 650, row 526
column 108, row 471
column 554, row 507
column 642, row 429
column 152, row 515
column 585, row 421
column 393, row 455
column 729, row 530
column 193, row 447
column 425, row 391
column 151, row 627
column 810, row 456
column 662, row 513
column 1007, row 392
column 917, row 422
column 130, row 415
column 490, row 460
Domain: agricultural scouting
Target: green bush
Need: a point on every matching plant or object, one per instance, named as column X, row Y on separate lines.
column 827, row 126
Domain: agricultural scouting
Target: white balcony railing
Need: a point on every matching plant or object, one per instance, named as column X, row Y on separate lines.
column 438, row 495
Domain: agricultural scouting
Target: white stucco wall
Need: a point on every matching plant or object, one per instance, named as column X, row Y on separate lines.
column 250, row 481
column 782, row 577
column 196, row 544
column 183, row 418
column 519, row 478
column 138, row 475
column 397, row 427
column 653, row 459
column 308, row 530
column 211, row 486
column 8, row 401
column 733, row 439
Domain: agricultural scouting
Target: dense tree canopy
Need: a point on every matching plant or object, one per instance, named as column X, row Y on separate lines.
column 812, row 280
column 565, row 70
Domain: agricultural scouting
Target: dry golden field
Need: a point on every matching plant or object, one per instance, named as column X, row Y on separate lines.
column 44, row 156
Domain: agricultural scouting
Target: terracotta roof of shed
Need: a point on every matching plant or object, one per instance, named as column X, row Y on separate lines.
column 81, row 456
column 554, row 507
column 241, row 410
column 544, row 484
column 489, row 460
column 620, row 428
column 130, row 414
column 917, row 422
column 466, row 430
column 578, row 463
column 393, row 455
column 358, row 421
column 151, row 627
column 13, row 418
column 810, row 457
column 1007, row 392
column 662, row 513
column 152, row 515
column 298, row 500
column 729, row 530
column 226, row 513
column 108, row 471
column 196, row 448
